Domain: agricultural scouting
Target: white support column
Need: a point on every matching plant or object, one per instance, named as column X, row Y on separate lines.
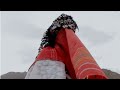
column 47, row 69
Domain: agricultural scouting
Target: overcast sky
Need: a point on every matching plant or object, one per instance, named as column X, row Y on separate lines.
column 21, row 33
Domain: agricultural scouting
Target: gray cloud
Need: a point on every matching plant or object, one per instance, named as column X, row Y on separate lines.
column 27, row 55
column 21, row 40
column 22, row 29
column 93, row 36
